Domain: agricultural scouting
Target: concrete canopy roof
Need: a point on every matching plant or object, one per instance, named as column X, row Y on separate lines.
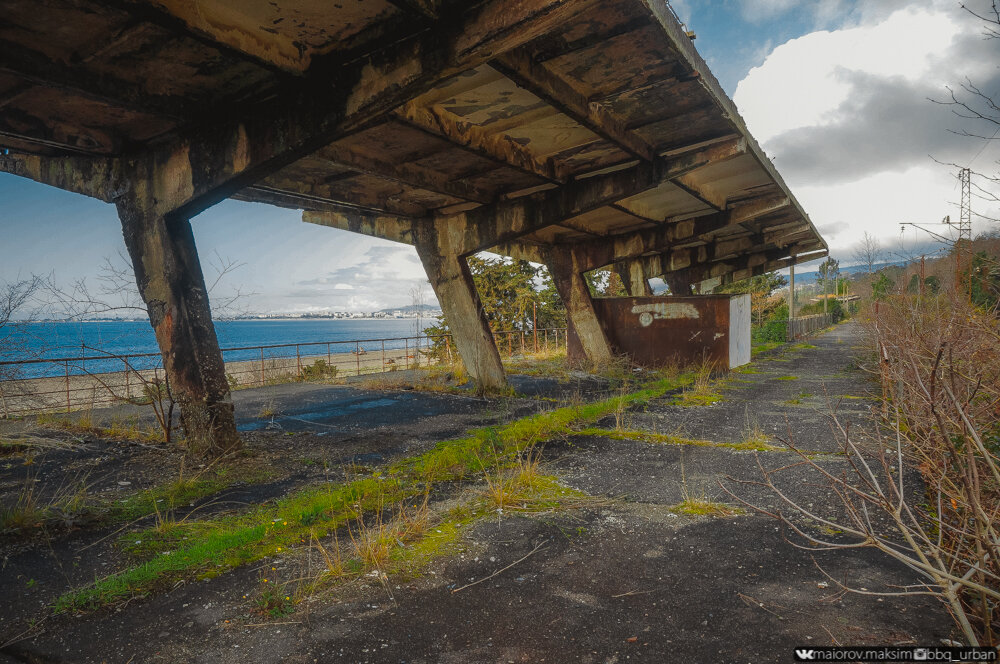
column 408, row 110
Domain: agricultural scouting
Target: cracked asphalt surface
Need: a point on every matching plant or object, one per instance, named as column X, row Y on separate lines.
column 625, row 578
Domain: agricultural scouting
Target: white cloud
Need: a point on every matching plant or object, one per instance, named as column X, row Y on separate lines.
column 845, row 116
column 808, row 78
column 380, row 275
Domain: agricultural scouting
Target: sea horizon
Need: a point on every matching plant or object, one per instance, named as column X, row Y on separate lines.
column 117, row 338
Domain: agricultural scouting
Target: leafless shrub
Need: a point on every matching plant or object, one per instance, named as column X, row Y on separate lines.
column 924, row 487
column 16, row 306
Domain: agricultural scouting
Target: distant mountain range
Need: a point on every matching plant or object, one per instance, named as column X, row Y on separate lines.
column 803, row 278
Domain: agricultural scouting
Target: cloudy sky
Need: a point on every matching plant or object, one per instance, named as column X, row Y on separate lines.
column 836, row 91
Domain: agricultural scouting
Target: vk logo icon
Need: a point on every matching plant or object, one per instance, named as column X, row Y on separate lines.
column 803, row 655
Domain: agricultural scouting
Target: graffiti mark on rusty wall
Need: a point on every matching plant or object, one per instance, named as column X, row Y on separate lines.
column 663, row 311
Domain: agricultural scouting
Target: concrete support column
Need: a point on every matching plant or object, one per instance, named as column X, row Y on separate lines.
column 170, row 280
column 449, row 274
column 678, row 282
column 633, row 276
column 568, row 278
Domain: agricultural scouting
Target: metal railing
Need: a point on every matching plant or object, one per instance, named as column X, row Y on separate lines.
column 103, row 379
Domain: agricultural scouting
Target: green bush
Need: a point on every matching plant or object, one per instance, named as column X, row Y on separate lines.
column 319, row 370
column 771, row 331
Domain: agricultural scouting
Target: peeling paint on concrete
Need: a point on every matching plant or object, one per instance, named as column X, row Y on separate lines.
column 663, row 311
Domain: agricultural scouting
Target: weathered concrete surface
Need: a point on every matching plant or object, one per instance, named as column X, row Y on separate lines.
column 679, row 283
column 633, row 278
column 448, row 272
column 170, row 280
column 582, row 321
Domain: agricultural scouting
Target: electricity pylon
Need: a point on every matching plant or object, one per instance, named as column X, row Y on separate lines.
column 963, row 247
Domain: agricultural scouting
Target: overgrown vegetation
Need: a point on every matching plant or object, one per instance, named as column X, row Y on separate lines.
column 319, row 370
column 704, row 507
column 702, row 391
column 501, row 459
column 938, row 361
column 119, row 427
column 517, row 297
column 750, row 443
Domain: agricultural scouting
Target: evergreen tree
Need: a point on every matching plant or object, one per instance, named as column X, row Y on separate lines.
column 760, row 289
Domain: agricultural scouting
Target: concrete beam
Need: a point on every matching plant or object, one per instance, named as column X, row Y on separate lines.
column 213, row 162
column 482, row 141
column 567, row 276
column 689, row 58
column 633, row 278
column 97, row 177
column 698, row 271
column 451, row 279
column 638, row 243
column 599, row 253
column 490, row 225
column 208, row 163
column 297, row 201
column 694, row 187
column 170, row 280
column 520, row 66
column 408, row 174
column 40, row 69
column 387, row 200
column 770, row 266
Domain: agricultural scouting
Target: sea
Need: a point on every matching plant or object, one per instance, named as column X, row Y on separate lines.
column 102, row 342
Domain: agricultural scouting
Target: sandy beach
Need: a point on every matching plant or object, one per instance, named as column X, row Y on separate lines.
column 75, row 392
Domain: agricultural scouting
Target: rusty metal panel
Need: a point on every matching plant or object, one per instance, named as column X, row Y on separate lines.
column 656, row 331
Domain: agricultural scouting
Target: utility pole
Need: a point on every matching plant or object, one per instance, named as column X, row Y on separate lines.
column 534, row 323
column 826, row 286
column 791, row 290
column 922, row 276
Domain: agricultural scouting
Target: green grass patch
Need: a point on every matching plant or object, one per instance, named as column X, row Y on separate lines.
column 165, row 497
column 454, row 459
column 551, row 364
column 787, row 378
column 216, row 545
column 209, row 547
column 757, row 349
column 440, row 539
column 754, row 444
column 702, row 507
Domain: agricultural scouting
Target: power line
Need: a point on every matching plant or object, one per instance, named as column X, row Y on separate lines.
column 985, row 143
